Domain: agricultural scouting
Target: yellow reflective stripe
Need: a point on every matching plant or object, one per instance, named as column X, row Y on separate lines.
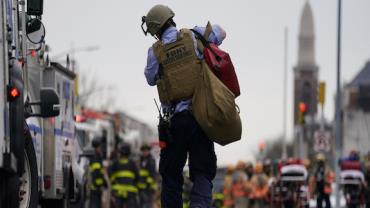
column 142, row 185
column 144, row 173
column 99, row 181
column 154, row 186
column 150, row 180
column 92, row 187
column 122, row 188
column 123, row 174
column 123, row 161
column 95, row 166
column 218, row 196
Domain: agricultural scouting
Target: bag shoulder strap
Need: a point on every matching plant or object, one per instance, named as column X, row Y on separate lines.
column 203, row 42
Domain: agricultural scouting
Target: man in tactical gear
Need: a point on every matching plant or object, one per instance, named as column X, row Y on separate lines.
column 123, row 175
column 147, row 174
column 174, row 64
column 97, row 175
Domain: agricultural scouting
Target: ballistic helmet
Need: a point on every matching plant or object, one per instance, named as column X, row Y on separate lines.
column 156, row 18
column 96, row 142
column 125, row 149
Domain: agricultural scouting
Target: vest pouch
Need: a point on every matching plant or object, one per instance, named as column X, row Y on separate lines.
column 162, row 91
column 182, row 81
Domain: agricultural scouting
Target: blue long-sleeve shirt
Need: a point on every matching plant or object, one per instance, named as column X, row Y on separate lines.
column 169, row 36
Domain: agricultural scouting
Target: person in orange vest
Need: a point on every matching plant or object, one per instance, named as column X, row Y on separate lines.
column 228, row 183
column 260, row 187
column 323, row 178
column 238, row 188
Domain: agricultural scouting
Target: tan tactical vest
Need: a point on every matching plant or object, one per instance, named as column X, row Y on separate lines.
column 179, row 68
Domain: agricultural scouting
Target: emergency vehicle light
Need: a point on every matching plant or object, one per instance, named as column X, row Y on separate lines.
column 13, row 93
column 80, row 119
column 33, row 53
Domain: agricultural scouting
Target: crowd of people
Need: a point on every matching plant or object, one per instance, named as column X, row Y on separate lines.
column 265, row 184
column 131, row 183
column 134, row 183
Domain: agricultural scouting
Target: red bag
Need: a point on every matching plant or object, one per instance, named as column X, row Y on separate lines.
column 219, row 61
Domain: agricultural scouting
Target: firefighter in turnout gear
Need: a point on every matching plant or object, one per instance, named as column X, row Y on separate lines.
column 147, row 175
column 174, row 66
column 96, row 170
column 124, row 176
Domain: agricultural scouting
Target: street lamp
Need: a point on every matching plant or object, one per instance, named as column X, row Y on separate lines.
column 73, row 50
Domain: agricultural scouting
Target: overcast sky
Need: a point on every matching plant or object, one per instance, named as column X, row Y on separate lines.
column 255, row 34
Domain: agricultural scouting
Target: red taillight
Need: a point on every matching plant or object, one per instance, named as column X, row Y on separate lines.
column 80, row 119
column 47, row 182
column 33, row 53
column 162, row 144
column 13, row 93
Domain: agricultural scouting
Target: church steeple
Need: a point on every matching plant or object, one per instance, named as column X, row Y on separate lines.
column 306, row 50
column 306, row 70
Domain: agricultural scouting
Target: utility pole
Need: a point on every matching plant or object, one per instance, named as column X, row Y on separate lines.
column 284, row 150
column 338, row 114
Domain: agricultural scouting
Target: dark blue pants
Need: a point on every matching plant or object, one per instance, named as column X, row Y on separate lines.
column 187, row 139
column 129, row 202
column 322, row 197
column 95, row 199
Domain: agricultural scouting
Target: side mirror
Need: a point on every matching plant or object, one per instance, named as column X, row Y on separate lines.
column 35, row 7
column 35, row 31
column 49, row 103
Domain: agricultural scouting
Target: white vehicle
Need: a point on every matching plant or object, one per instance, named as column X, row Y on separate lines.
column 16, row 187
column 53, row 138
column 89, row 128
column 9, row 149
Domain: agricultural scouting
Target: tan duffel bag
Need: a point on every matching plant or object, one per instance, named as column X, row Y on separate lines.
column 215, row 110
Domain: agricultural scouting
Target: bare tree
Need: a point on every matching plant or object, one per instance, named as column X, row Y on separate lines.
column 93, row 93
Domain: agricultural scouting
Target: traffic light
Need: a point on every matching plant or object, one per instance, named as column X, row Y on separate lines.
column 302, row 113
column 261, row 145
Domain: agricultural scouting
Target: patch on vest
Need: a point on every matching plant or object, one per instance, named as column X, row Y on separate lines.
column 176, row 54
